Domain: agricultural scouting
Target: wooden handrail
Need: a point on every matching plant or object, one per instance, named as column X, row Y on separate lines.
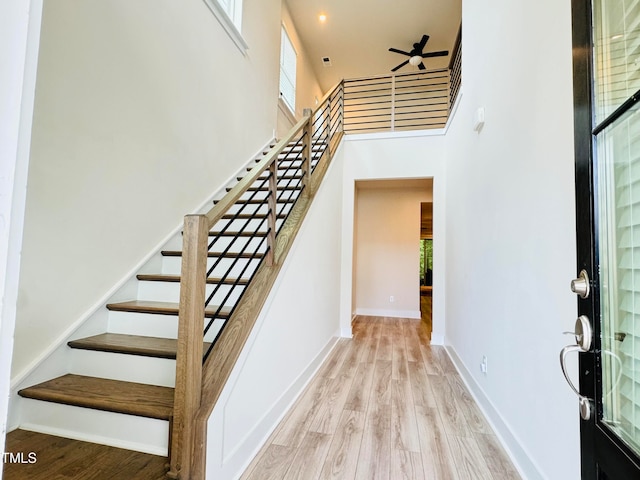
column 241, row 187
column 188, row 407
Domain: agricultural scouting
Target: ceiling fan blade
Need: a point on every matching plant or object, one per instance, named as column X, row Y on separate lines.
column 400, row 51
column 423, row 42
column 421, row 66
column 441, row 53
column 400, row 66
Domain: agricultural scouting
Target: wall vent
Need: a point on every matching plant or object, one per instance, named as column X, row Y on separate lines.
column 326, row 61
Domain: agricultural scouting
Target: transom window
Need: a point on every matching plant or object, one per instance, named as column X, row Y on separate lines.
column 229, row 14
column 233, row 9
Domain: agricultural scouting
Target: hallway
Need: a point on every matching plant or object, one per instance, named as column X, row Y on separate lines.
column 385, row 405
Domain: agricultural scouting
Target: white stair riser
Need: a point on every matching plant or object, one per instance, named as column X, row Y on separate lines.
column 173, row 265
column 145, row 324
column 170, row 292
column 262, row 208
column 241, row 224
column 214, row 329
column 152, row 325
column 115, row 429
column 128, row 368
column 239, row 244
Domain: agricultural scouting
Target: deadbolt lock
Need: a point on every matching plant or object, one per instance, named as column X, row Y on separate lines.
column 580, row 286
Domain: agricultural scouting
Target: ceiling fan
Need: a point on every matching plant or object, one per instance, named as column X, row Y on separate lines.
column 416, row 54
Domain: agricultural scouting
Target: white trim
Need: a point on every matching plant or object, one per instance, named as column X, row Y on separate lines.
column 228, row 24
column 521, row 459
column 433, row 132
column 375, row 312
column 63, row 338
column 437, row 339
column 20, row 26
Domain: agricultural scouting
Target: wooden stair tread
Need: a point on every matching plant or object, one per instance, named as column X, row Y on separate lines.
column 103, row 394
column 130, row 345
column 162, row 277
column 178, row 253
column 161, row 308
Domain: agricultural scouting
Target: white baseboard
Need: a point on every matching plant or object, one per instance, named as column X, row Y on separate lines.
column 272, row 418
column 374, row 312
column 437, row 338
column 521, row 459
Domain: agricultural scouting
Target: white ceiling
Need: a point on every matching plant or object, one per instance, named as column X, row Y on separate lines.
column 358, row 33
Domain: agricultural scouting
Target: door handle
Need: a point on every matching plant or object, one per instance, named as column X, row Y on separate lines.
column 583, row 335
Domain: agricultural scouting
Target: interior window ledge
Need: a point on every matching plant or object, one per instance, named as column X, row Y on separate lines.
column 286, row 110
column 228, row 25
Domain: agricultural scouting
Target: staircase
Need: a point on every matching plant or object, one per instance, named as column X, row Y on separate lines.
column 120, row 389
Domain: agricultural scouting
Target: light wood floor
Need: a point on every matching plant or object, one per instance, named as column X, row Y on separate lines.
column 385, row 405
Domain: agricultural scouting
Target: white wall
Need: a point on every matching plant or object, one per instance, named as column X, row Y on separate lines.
column 511, row 227
column 19, row 34
column 387, row 250
column 394, row 156
column 308, row 89
column 293, row 334
column 142, row 110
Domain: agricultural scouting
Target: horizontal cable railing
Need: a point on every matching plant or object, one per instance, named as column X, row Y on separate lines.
column 455, row 69
column 410, row 101
column 224, row 249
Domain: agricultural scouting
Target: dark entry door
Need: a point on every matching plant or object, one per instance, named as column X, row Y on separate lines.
column 606, row 56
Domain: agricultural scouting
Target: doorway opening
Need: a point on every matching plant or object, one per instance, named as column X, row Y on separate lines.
column 426, row 263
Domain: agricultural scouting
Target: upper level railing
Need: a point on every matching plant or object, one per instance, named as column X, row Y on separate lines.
column 455, row 69
column 411, row 101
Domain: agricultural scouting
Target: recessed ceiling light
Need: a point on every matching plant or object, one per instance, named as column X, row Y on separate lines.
column 322, row 17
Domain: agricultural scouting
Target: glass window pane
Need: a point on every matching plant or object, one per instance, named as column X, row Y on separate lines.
column 616, row 39
column 618, row 173
column 288, row 64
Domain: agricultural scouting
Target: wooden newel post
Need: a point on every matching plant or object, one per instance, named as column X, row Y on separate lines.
column 188, row 388
column 307, row 153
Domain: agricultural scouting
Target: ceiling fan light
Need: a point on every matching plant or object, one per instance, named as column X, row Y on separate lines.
column 415, row 60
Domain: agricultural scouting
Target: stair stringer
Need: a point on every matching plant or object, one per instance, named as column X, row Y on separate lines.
column 57, row 359
column 224, row 366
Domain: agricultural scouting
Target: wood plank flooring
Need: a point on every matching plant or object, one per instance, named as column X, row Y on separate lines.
column 58, row 458
column 386, row 405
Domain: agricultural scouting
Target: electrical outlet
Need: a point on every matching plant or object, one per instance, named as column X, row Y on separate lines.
column 392, row 299
column 483, row 365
